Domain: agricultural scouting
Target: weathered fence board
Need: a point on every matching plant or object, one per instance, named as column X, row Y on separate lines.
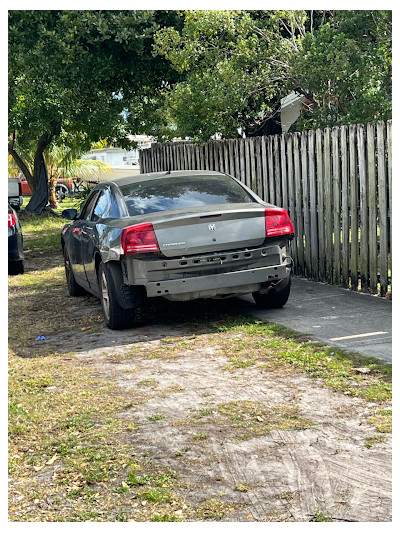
column 344, row 154
column 321, row 205
column 383, row 208
column 336, row 206
column 328, row 205
column 305, row 206
column 363, row 207
column 372, row 229
column 313, row 206
column 335, row 184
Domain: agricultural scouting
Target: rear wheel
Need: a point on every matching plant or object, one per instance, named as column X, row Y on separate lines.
column 115, row 316
column 273, row 299
column 73, row 288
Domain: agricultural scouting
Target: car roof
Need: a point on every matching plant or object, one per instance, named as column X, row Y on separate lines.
column 127, row 180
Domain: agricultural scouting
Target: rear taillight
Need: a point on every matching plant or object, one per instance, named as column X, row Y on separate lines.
column 139, row 239
column 11, row 220
column 277, row 222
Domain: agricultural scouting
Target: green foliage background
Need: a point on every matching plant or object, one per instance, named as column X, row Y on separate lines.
column 92, row 75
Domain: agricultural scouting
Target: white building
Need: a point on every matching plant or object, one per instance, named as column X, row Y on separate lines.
column 123, row 162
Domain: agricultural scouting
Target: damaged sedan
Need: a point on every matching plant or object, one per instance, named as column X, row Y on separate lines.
column 179, row 235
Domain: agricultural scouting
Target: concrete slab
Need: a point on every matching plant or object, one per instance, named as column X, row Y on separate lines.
column 352, row 321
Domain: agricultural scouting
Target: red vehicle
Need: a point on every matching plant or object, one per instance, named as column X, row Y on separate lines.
column 64, row 187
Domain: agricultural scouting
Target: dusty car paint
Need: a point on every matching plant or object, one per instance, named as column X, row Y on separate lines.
column 199, row 251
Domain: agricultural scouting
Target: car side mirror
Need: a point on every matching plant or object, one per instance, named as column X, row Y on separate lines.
column 70, row 214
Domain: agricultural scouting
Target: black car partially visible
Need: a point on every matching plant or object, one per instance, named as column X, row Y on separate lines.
column 15, row 244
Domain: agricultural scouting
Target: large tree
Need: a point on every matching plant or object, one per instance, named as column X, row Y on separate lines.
column 87, row 73
column 236, row 63
column 345, row 69
column 239, row 64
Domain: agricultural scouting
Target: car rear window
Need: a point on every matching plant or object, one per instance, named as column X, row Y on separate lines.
column 168, row 193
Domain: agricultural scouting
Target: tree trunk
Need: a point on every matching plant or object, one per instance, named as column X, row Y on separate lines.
column 53, row 202
column 40, row 197
column 22, row 166
column 40, row 192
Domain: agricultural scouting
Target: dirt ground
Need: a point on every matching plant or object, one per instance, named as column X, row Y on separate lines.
column 208, row 422
column 285, row 475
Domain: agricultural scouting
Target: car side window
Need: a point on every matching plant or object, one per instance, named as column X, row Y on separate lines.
column 106, row 207
column 87, row 209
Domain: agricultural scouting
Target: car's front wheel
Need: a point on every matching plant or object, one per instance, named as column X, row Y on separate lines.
column 274, row 298
column 115, row 316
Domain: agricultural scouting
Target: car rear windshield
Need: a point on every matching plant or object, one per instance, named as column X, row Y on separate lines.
column 164, row 194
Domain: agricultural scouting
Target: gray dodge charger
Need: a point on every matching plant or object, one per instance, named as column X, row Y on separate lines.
column 179, row 235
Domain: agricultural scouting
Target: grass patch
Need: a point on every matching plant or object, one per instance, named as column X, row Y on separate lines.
column 319, row 516
column 71, row 437
column 214, row 509
column 156, row 417
column 199, row 436
column 382, row 420
column 42, row 234
column 38, row 298
column 271, row 346
column 375, row 439
column 254, row 418
column 165, row 518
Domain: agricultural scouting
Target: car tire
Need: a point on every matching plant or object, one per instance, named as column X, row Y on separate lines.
column 273, row 299
column 74, row 288
column 16, row 267
column 61, row 192
column 115, row 316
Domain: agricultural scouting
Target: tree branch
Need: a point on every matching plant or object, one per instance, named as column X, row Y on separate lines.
column 20, row 162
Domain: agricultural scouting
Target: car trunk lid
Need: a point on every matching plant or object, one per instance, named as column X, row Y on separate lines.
column 217, row 229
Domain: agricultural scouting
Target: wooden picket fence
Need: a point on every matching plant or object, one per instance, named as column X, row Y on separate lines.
column 335, row 184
